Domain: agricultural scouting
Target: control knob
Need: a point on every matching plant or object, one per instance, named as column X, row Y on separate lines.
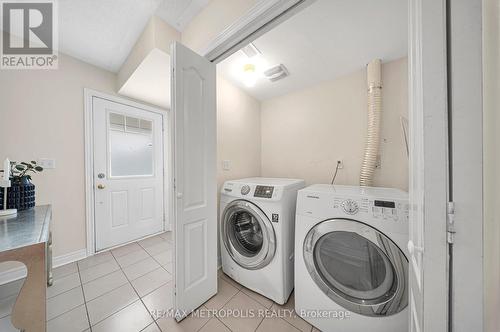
column 350, row 206
column 245, row 189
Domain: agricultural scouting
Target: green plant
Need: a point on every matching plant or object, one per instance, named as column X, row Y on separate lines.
column 19, row 170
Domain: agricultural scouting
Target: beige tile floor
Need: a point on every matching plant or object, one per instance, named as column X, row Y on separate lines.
column 121, row 290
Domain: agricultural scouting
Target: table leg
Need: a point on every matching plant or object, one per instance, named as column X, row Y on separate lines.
column 50, row 279
column 29, row 312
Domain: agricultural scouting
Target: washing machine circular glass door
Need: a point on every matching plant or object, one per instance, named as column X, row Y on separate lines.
column 248, row 235
column 357, row 266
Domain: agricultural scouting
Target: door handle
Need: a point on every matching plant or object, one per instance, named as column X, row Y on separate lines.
column 101, row 186
column 179, row 195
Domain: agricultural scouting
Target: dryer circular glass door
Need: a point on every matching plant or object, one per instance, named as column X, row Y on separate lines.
column 248, row 235
column 357, row 266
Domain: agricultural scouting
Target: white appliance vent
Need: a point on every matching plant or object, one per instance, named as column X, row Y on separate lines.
column 276, row 73
column 250, row 50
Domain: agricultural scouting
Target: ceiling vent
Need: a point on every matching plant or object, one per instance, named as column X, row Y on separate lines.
column 250, row 50
column 276, row 73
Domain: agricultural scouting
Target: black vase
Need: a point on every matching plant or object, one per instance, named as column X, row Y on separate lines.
column 21, row 194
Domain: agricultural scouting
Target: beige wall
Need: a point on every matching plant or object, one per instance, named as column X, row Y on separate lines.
column 491, row 102
column 212, row 20
column 238, row 132
column 42, row 115
column 305, row 132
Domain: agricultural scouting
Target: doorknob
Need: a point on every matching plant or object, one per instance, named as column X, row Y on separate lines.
column 101, row 186
column 179, row 195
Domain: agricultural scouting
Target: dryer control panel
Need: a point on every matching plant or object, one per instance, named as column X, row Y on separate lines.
column 379, row 209
column 386, row 209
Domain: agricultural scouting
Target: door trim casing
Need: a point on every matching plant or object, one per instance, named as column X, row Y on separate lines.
column 262, row 17
column 89, row 94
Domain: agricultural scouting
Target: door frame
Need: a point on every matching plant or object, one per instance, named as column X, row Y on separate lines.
column 465, row 107
column 435, row 78
column 259, row 19
column 429, row 167
column 89, row 94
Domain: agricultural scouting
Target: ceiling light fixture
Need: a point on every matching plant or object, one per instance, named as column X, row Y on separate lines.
column 249, row 74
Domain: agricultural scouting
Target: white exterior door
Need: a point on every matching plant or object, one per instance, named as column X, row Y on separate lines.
column 195, row 226
column 128, row 173
column 428, row 246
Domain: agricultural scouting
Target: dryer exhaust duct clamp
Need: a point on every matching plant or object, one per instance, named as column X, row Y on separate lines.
column 374, row 81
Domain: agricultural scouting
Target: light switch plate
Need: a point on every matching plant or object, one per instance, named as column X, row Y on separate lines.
column 47, row 163
column 226, row 165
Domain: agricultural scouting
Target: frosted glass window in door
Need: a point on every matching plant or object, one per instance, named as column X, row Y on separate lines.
column 130, row 146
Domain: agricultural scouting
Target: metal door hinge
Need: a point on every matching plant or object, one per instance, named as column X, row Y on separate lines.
column 450, row 223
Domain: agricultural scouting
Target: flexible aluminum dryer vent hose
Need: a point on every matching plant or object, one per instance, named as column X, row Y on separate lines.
column 374, row 81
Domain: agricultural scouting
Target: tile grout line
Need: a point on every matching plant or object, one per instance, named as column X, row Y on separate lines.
column 65, row 312
column 84, row 299
column 92, row 266
column 144, row 248
column 223, row 324
column 137, row 293
column 108, row 293
column 68, row 290
column 238, row 291
column 203, row 305
column 119, row 267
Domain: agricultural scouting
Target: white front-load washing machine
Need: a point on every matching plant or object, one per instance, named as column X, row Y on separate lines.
column 351, row 266
column 257, row 234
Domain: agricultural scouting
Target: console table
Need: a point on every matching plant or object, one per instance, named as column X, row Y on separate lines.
column 26, row 238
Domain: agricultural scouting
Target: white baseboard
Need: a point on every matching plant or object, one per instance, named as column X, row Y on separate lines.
column 69, row 258
column 20, row 272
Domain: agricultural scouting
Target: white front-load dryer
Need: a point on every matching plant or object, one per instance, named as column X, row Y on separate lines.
column 257, row 218
column 351, row 266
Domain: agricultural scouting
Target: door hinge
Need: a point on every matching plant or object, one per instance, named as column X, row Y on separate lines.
column 450, row 223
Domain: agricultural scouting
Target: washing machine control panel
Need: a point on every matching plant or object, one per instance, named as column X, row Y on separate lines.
column 263, row 191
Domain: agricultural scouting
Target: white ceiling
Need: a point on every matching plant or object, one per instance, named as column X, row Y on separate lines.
column 102, row 32
column 178, row 13
column 328, row 39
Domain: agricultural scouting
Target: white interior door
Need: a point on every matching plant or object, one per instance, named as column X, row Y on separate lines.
column 195, row 226
column 429, row 186
column 128, row 173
